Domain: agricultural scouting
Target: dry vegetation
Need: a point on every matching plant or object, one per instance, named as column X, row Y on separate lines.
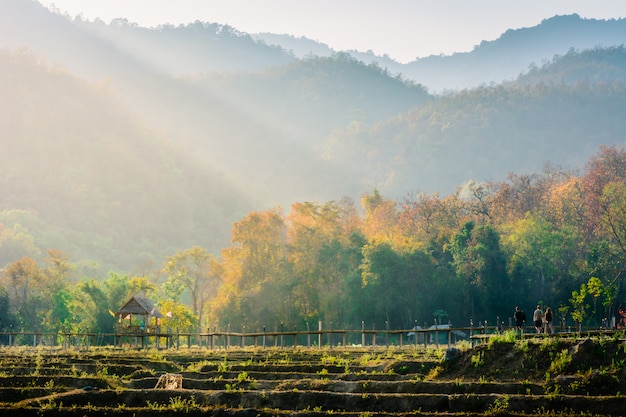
column 535, row 376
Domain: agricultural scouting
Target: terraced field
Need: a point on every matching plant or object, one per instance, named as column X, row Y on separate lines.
column 543, row 377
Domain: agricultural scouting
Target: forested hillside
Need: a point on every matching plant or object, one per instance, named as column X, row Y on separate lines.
column 229, row 196
column 80, row 173
column 553, row 238
column 559, row 113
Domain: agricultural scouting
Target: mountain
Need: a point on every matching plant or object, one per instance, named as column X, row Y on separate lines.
column 94, row 49
column 188, row 49
column 492, row 61
column 514, row 52
column 119, row 162
column 595, row 66
column 82, row 174
column 121, row 144
column 559, row 114
column 300, row 47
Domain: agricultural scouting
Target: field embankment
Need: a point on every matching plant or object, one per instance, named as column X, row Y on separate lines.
column 532, row 377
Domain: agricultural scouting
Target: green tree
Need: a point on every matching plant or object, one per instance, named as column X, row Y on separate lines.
column 481, row 267
column 400, row 288
column 190, row 270
column 178, row 317
column 545, row 259
column 97, row 308
column 613, row 219
column 595, row 288
column 580, row 308
column 7, row 317
column 56, row 302
column 61, row 317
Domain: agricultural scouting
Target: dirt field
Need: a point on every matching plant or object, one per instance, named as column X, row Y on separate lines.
column 533, row 377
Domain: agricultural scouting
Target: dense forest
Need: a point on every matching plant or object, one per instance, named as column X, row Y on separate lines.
column 299, row 189
column 553, row 238
column 559, row 113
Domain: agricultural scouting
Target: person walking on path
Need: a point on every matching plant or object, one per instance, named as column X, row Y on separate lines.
column 538, row 319
column 548, row 319
column 520, row 318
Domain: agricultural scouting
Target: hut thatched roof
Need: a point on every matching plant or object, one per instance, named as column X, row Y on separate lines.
column 139, row 305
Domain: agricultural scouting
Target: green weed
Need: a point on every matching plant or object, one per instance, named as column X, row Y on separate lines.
column 478, row 360
column 509, row 336
column 154, row 405
column 498, row 407
column 223, row 367
column 560, row 361
column 180, row 404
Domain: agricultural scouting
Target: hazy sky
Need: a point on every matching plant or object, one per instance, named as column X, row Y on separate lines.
column 403, row 29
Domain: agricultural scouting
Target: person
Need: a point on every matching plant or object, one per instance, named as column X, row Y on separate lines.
column 548, row 318
column 520, row 318
column 538, row 319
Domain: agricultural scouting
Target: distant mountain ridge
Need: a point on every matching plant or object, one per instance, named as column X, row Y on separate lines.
column 208, row 47
column 491, row 61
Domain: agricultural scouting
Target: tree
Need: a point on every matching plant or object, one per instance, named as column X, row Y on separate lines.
column 252, row 269
column 580, row 309
column 320, row 256
column 21, row 278
column 191, row 270
column 61, row 317
column 41, row 295
column 595, row 288
column 521, row 195
column 381, row 217
column 481, row 267
column 117, row 289
column 59, row 269
column 56, row 302
column 7, row 318
column 548, row 257
column 15, row 243
column 178, row 317
column 613, row 219
column 97, row 308
column 609, row 166
column 401, row 287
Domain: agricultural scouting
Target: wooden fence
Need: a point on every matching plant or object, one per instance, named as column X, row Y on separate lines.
column 434, row 336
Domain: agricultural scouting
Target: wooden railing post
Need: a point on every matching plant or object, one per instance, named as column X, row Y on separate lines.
column 264, row 338
column 362, row 333
column 387, row 333
column 373, row 334
column 319, row 335
column 295, row 336
column 308, row 334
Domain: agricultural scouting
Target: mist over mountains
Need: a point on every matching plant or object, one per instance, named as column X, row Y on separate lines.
column 491, row 61
column 121, row 144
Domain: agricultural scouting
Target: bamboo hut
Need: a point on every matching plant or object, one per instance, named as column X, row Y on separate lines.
column 138, row 315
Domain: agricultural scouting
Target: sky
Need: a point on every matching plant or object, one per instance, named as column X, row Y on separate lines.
column 403, row 29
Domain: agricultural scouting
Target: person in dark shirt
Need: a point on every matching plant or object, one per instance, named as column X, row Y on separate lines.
column 548, row 319
column 520, row 318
